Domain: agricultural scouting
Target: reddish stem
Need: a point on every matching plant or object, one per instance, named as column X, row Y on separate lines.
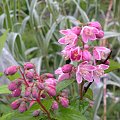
column 24, row 77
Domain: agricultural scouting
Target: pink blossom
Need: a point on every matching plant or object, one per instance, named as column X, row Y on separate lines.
column 76, row 30
column 76, row 54
column 62, row 75
column 67, row 68
column 36, row 113
column 100, row 52
column 15, row 104
column 23, row 107
column 66, row 51
column 100, row 34
column 84, row 71
column 69, row 38
column 88, row 33
column 95, row 24
column 99, row 72
column 28, row 66
column 51, row 90
column 86, row 56
column 12, row 86
column 64, row 102
column 54, row 105
column 16, row 93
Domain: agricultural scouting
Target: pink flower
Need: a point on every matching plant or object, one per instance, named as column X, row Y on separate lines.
column 29, row 75
column 100, row 52
column 12, row 86
column 62, row 75
column 11, row 70
column 15, row 104
column 36, row 113
column 88, row 33
column 67, row 68
column 16, row 93
column 84, row 71
column 66, row 51
column 95, row 24
column 99, row 72
column 51, row 90
column 75, row 54
column 86, row 56
column 23, row 107
column 70, row 37
column 76, row 30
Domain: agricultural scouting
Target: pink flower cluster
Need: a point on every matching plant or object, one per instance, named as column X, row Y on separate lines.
column 37, row 88
column 77, row 49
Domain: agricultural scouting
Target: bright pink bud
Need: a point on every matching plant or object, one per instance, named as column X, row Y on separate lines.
column 36, row 113
column 67, row 68
column 55, row 105
column 16, row 93
column 40, row 85
column 76, row 30
column 95, row 24
column 28, row 66
column 34, row 92
column 11, row 70
column 49, row 75
column 15, row 104
column 23, row 107
column 51, row 90
column 12, row 86
column 28, row 92
column 64, row 102
column 86, row 56
column 29, row 75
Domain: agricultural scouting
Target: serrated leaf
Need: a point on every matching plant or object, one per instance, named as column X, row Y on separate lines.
column 4, row 89
column 113, row 66
column 64, row 84
column 3, row 39
column 13, row 77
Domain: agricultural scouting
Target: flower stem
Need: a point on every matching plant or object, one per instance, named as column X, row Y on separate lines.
column 81, row 90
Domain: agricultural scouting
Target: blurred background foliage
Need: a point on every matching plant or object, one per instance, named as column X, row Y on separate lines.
column 29, row 31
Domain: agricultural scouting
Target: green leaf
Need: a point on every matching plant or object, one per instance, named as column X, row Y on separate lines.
column 69, row 114
column 113, row 66
column 4, row 89
column 64, row 84
column 13, row 77
column 1, row 74
column 89, row 94
column 3, row 39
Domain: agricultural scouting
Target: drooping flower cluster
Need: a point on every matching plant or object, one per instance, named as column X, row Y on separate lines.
column 36, row 88
column 77, row 49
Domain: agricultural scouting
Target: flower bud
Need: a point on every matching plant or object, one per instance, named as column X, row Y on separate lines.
column 11, row 70
column 95, row 24
column 64, row 102
column 50, row 81
column 49, row 75
column 34, row 92
column 29, row 75
column 55, row 105
column 100, row 34
column 12, row 86
column 36, row 113
column 15, row 104
column 40, row 85
column 28, row 92
column 67, row 68
column 28, row 66
column 86, row 56
column 43, row 96
column 16, row 93
column 51, row 90
column 107, row 62
column 23, row 107
column 76, row 30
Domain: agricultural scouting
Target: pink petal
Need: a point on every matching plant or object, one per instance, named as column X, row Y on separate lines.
column 96, row 54
column 63, row 76
column 90, row 67
column 104, row 67
column 65, row 32
column 58, row 71
column 62, row 40
column 78, row 78
column 84, row 38
column 88, row 76
column 104, row 49
column 96, row 79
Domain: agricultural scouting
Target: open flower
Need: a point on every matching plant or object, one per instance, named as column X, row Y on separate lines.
column 84, row 71
column 99, row 72
column 100, row 52
column 69, row 38
column 89, row 33
column 95, row 24
column 75, row 54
